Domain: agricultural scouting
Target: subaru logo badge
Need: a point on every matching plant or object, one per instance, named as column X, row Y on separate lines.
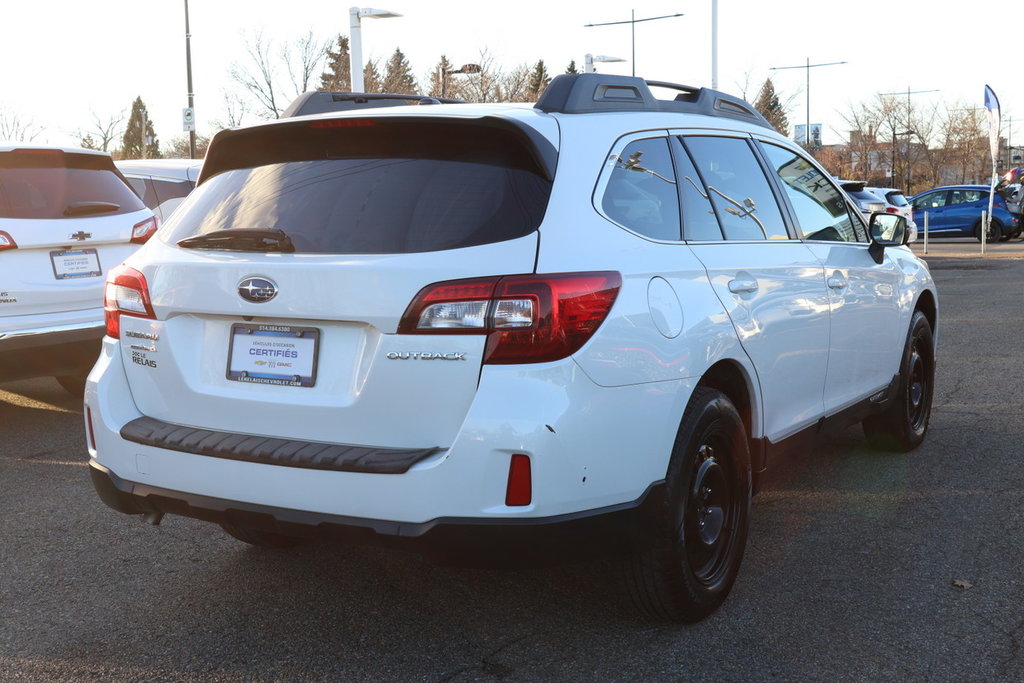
column 257, row 289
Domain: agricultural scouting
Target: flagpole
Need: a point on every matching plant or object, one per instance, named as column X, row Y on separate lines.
column 992, row 105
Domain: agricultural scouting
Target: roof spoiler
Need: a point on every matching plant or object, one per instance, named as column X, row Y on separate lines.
column 592, row 92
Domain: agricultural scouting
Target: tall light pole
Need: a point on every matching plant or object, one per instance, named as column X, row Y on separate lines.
column 589, row 60
column 188, row 71
column 714, row 44
column 355, row 40
column 808, row 66
column 633, row 21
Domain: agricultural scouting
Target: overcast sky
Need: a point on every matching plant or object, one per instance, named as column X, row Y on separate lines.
column 64, row 61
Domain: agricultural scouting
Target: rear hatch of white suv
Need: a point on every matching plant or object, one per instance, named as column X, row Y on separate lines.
column 275, row 302
column 66, row 217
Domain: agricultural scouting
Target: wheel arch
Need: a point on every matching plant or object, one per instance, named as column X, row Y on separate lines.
column 927, row 304
column 733, row 380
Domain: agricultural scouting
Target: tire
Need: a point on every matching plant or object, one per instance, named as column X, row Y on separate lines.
column 73, row 384
column 687, row 568
column 995, row 231
column 903, row 425
column 260, row 538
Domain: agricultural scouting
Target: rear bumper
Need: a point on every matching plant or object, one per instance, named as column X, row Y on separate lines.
column 589, row 533
column 53, row 350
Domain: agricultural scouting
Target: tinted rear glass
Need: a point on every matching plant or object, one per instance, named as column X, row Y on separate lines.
column 380, row 190
column 897, row 199
column 48, row 183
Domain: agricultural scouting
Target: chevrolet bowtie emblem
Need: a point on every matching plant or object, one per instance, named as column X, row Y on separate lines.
column 81, row 236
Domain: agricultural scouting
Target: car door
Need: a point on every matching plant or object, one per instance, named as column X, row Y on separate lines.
column 964, row 209
column 770, row 284
column 934, row 204
column 863, row 295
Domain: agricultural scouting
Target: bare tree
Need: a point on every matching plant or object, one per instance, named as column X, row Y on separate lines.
column 482, row 86
column 103, row 132
column 261, row 78
column 235, row 110
column 14, row 127
column 514, row 86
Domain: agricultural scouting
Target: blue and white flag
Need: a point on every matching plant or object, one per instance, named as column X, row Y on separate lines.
column 992, row 105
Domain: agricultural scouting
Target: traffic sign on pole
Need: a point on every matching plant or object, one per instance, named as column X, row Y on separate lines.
column 188, row 119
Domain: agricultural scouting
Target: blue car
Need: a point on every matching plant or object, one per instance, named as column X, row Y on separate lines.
column 955, row 211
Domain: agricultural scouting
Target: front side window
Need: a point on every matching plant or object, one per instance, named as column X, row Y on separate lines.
column 819, row 206
column 738, row 188
column 641, row 192
column 931, row 201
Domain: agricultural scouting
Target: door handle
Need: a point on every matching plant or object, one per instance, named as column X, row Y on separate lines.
column 742, row 286
column 837, row 281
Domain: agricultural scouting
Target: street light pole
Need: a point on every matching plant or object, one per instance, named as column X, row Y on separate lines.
column 808, row 66
column 188, row 70
column 633, row 21
column 589, row 60
column 355, row 40
column 910, row 169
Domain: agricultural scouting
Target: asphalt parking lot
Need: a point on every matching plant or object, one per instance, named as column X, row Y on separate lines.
column 860, row 565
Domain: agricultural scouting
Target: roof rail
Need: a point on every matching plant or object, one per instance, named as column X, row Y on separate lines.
column 591, row 93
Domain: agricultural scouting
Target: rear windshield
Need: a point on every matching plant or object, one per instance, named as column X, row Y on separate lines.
column 897, row 199
column 380, row 190
column 55, row 184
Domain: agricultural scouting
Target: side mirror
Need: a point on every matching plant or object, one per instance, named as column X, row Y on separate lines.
column 886, row 230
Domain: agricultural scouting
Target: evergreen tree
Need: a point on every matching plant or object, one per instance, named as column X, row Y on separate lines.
column 571, row 69
column 338, row 76
column 441, row 82
column 87, row 142
column 771, row 108
column 139, row 141
column 398, row 76
column 539, row 80
column 371, row 78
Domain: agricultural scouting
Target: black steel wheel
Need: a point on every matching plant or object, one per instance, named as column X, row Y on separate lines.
column 995, row 231
column 903, row 425
column 693, row 557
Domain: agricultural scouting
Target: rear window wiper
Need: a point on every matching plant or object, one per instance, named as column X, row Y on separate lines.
column 241, row 239
column 86, row 208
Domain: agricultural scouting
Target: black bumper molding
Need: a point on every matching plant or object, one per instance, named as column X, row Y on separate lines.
column 314, row 455
column 590, row 533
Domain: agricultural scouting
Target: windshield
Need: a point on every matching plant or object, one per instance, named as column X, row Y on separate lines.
column 54, row 184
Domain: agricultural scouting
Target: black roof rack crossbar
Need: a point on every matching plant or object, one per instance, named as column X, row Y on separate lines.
column 592, row 93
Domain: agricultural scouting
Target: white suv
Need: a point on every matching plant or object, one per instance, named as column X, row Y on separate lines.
column 586, row 325
column 66, row 217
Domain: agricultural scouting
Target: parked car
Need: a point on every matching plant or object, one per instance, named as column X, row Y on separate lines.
column 955, row 211
column 866, row 201
column 897, row 202
column 66, row 217
column 321, row 102
column 584, row 326
column 161, row 183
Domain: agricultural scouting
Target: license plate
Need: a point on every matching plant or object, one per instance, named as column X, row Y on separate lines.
column 273, row 354
column 75, row 263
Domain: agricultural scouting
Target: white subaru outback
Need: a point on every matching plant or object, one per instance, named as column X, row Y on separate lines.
column 589, row 324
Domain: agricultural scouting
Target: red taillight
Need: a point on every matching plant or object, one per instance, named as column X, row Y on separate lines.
column 519, row 491
column 891, row 209
column 531, row 318
column 144, row 230
column 126, row 293
column 6, row 241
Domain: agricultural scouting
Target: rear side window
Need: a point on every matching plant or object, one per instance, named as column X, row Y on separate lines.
column 171, row 189
column 378, row 189
column 738, row 188
column 897, row 199
column 966, row 196
column 641, row 193
column 55, row 184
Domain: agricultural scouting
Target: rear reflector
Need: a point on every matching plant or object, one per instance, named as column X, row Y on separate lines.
column 126, row 293
column 6, row 241
column 88, row 424
column 531, row 318
column 519, row 491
